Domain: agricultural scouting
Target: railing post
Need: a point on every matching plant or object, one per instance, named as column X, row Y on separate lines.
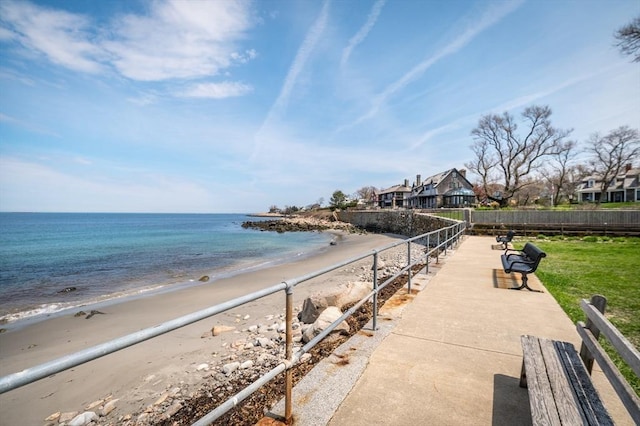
column 446, row 240
column 409, row 265
column 288, row 403
column 428, row 251
column 600, row 303
column 375, row 289
column 438, row 249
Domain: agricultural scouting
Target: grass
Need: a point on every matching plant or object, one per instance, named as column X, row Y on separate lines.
column 576, row 269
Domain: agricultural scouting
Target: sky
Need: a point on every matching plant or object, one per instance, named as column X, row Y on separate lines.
column 237, row 106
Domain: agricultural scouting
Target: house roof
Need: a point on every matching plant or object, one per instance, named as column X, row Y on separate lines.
column 397, row 188
column 437, row 178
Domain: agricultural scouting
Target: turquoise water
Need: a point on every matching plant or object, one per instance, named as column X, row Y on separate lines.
column 102, row 256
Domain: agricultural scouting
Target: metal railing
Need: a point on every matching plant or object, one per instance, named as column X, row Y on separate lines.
column 434, row 242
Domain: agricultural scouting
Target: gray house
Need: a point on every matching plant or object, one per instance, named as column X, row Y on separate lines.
column 624, row 187
column 396, row 196
column 446, row 189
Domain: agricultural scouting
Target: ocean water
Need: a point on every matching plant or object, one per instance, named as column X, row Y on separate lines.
column 105, row 256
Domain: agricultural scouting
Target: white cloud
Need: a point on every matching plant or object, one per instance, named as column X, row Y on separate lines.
column 362, row 33
column 179, row 39
column 225, row 89
column 176, row 40
column 64, row 38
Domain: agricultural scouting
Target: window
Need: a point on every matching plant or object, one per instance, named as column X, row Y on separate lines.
column 590, row 183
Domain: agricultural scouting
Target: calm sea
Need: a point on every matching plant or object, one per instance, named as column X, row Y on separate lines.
column 103, row 256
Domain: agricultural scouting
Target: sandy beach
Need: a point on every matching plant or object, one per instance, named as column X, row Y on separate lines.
column 136, row 376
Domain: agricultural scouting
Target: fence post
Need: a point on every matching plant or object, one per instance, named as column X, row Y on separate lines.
column 600, row 303
column 288, row 403
column 375, row 289
column 428, row 251
column 446, row 240
column 438, row 249
column 409, row 265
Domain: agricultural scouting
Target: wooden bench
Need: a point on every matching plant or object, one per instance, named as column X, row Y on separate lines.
column 558, row 379
column 524, row 262
column 505, row 239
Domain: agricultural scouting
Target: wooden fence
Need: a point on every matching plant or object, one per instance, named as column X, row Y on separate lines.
column 619, row 222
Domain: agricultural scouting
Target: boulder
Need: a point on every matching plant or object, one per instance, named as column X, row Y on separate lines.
column 309, row 312
column 326, row 318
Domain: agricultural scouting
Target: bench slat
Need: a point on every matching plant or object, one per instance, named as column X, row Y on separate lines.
column 543, row 407
column 619, row 384
column 560, row 385
column 626, row 350
column 592, row 410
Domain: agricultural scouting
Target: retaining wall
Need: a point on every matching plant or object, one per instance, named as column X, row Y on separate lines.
column 404, row 222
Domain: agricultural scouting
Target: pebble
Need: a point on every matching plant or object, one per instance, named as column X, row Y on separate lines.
column 230, row 368
column 83, row 419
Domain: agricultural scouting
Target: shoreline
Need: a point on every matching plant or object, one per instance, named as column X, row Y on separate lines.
column 45, row 311
column 137, row 375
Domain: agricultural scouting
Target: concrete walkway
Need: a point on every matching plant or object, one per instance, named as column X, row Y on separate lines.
column 452, row 357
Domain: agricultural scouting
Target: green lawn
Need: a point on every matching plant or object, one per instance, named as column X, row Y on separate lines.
column 577, row 269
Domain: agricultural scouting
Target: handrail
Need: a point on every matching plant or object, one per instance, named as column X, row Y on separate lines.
column 451, row 237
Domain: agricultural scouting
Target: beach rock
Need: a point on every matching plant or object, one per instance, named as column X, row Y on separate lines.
column 264, row 342
column 109, row 407
column 204, row 278
column 219, row 329
column 230, row 368
column 203, row 366
column 340, row 296
column 326, row 318
column 83, row 419
column 245, row 365
column 161, row 399
column 309, row 312
column 80, row 314
column 65, row 417
column 172, row 410
column 67, row 290
column 52, row 418
column 351, row 292
column 92, row 313
column 94, row 404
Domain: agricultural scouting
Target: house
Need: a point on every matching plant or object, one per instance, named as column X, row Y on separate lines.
column 446, row 189
column 396, row 196
column 623, row 188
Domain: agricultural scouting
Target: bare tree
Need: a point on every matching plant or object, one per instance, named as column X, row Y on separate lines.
column 629, row 39
column 611, row 153
column 367, row 194
column 558, row 172
column 505, row 157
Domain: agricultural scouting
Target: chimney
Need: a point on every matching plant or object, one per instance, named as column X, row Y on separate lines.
column 418, row 180
column 463, row 173
column 627, row 167
column 406, row 182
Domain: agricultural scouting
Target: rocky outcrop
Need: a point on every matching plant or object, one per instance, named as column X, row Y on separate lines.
column 300, row 224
